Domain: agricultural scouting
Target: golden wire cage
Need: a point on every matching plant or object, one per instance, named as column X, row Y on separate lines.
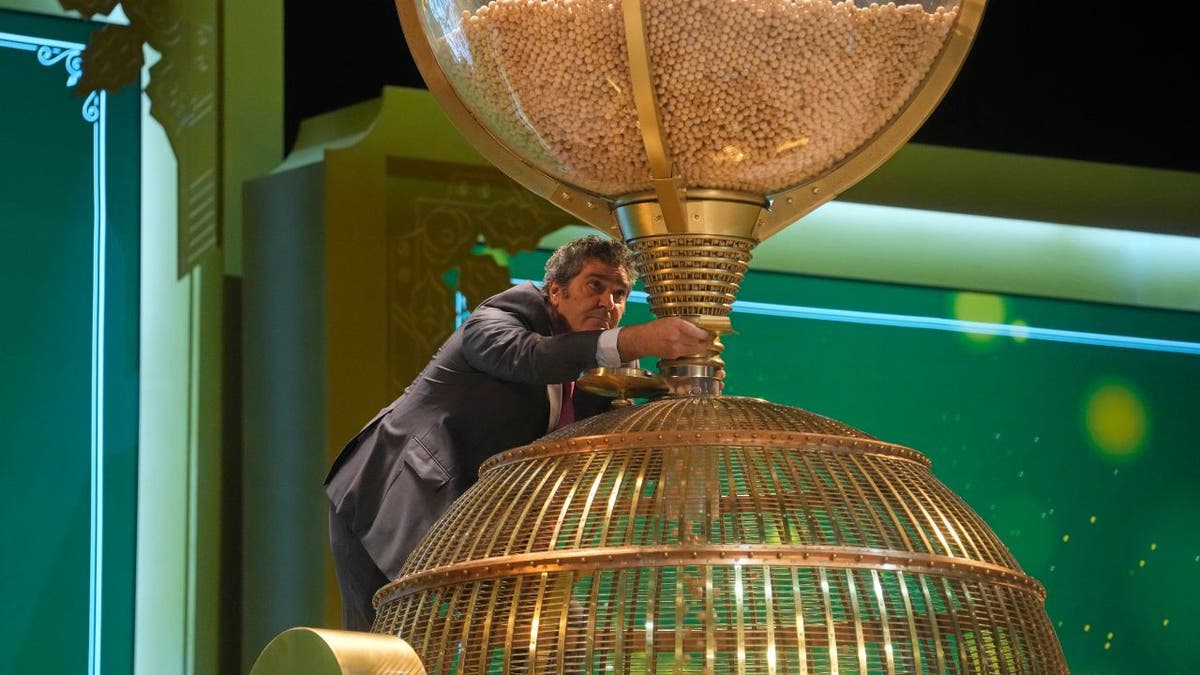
column 718, row 535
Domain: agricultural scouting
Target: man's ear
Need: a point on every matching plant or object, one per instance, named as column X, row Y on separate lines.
column 554, row 293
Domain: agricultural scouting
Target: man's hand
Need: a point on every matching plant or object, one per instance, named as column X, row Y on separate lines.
column 666, row 338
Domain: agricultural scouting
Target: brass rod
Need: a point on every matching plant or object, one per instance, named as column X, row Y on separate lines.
column 667, row 185
column 642, row 439
column 634, row 557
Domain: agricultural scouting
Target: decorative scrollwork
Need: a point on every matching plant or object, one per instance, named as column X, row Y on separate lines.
column 183, row 91
column 72, row 59
column 68, row 54
column 91, row 106
column 49, row 55
column 74, row 65
column 432, row 233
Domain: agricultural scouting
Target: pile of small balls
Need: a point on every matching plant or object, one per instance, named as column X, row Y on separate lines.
column 755, row 95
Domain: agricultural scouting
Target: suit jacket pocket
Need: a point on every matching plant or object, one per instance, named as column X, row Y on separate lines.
column 425, row 463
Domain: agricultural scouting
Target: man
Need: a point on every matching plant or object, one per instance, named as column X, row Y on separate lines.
column 496, row 383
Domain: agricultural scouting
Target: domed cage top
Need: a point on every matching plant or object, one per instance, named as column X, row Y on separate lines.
column 716, row 535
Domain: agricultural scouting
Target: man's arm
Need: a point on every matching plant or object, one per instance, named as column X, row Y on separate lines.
column 666, row 338
column 499, row 343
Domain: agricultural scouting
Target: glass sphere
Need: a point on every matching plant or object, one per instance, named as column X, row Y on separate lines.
column 752, row 95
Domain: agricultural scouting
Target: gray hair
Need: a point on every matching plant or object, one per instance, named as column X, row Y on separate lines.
column 567, row 260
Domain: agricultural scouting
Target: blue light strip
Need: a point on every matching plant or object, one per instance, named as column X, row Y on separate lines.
column 960, row 326
column 460, row 308
column 50, row 52
column 29, row 43
column 23, row 46
column 953, row 325
column 99, row 258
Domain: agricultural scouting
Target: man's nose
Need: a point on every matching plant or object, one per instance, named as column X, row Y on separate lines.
column 607, row 301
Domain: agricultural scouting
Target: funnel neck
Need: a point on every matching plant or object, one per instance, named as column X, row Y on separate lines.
column 693, row 274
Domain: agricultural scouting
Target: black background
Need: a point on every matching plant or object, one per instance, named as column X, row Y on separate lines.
column 1099, row 81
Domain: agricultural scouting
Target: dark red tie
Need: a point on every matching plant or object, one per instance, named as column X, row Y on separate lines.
column 566, row 414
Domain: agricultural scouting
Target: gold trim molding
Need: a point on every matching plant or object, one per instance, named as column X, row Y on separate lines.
column 184, row 98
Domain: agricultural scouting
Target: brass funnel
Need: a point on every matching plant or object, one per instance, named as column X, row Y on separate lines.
column 692, row 267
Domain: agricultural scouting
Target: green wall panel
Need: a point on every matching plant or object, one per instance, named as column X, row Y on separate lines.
column 1072, row 432
column 69, row 274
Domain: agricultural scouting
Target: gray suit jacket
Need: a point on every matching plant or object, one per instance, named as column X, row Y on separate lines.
column 484, row 391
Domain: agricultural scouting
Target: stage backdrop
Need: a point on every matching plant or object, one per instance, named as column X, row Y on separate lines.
column 69, row 356
column 1070, row 427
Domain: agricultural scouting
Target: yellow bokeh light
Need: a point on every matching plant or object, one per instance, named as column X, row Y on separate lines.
column 1066, row 538
column 1087, row 627
column 1093, row 520
column 981, row 308
column 1115, row 420
column 1020, row 331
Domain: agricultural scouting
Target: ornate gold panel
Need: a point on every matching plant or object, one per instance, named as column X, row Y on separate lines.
column 441, row 218
column 184, row 97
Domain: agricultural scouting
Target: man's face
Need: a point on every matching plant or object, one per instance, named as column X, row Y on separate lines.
column 594, row 299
